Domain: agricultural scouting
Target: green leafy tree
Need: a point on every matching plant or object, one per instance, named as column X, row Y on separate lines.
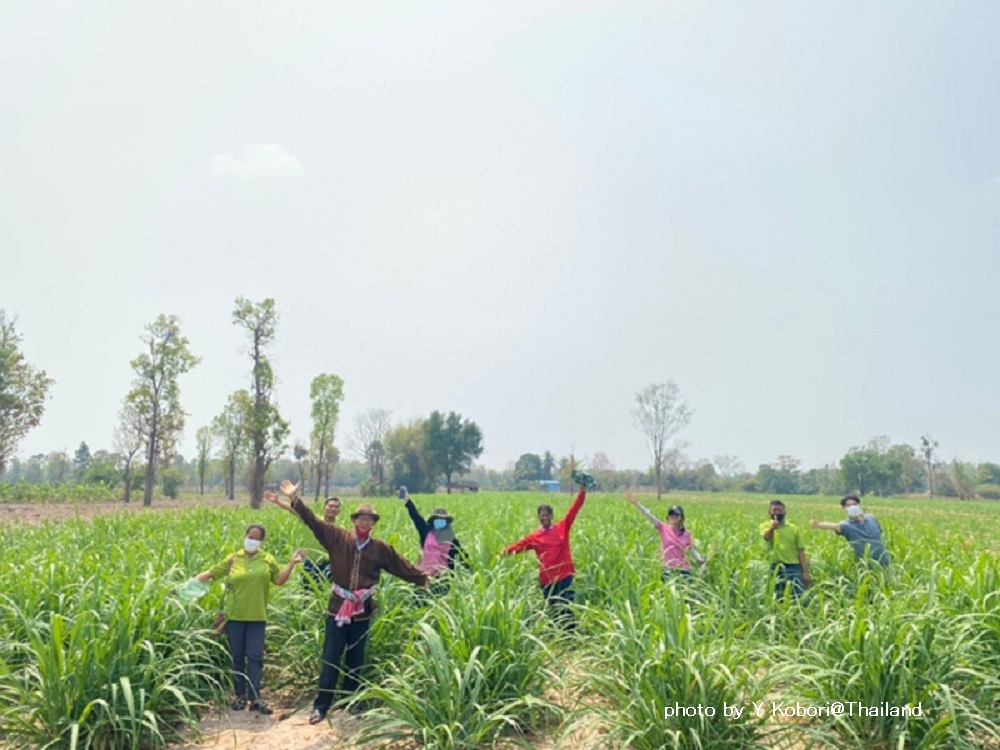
column 204, row 440
column 102, row 470
column 452, row 444
column 81, row 461
column 660, row 412
column 128, row 440
column 155, row 393
column 407, row 457
column 229, row 428
column 928, row 447
column 780, row 478
column 23, row 390
column 265, row 429
column 301, row 455
column 528, row 468
column 548, row 465
column 326, row 392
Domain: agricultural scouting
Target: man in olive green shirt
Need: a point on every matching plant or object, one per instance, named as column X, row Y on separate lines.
column 787, row 552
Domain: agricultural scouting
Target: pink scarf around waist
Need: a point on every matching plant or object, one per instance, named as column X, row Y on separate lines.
column 354, row 603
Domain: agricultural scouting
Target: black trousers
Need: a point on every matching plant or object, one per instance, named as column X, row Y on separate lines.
column 559, row 596
column 352, row 639
column 246, row 646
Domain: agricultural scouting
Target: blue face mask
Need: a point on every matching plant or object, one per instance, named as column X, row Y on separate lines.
column 440, row 523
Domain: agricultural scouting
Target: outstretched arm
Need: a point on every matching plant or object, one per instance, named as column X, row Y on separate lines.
column 643, row 509
column 520, row 546
column 824, row 526
column 394, row 564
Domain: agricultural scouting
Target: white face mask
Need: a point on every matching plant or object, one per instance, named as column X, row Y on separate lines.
column 251, row 545
column 853, row 511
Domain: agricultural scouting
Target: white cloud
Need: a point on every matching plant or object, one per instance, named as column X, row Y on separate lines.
column 262, row 161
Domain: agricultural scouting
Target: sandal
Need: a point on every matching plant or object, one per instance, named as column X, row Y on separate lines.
column 316, row 716
column 238, row 705
column 261, row 708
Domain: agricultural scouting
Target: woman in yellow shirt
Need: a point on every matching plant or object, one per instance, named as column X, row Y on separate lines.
column 249, row 574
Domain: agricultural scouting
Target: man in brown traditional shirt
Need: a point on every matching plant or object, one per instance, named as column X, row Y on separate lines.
column 357, row 560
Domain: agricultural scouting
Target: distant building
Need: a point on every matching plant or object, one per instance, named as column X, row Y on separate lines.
column 464, row 485
column 549, row 485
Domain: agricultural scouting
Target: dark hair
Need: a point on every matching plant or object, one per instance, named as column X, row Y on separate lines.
column 845, row 498
column 251, row 527
column 331, row 500
column 776, row 502
column 544, row 507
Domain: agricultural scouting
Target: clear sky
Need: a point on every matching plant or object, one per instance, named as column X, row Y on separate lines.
column 523, row 212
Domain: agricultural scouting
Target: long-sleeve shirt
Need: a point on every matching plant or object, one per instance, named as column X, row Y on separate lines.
column 423, row 529
column 353, row 568
column 673, row 545
column 555, row 561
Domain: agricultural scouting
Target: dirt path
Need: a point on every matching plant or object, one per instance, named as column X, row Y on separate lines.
column 287, row 729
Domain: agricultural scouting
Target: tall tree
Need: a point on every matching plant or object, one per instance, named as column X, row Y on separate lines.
column 204, row 440
column 128, row 439
column 229, row 428
column 301, row 455
column 406, row 457
column 368, row 442
column 928, row 446
column 548, row 465
column 326, row 392
column 452, row 444
column 265, row 428
column 155, row 391
column 660, row 412
column 81, row 461
column 23, row 390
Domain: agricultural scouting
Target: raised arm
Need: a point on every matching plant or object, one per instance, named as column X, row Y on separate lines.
column 574, row 509
column 418, row 521
column 643, row 509
column 271, row 497
column 325, row 534
column 282, row 577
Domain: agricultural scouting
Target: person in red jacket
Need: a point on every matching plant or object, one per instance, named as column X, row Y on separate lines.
column 555, row 561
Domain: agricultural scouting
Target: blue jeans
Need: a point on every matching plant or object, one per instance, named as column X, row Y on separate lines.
column 789, row 575
column 246, row 646
column 558, row 597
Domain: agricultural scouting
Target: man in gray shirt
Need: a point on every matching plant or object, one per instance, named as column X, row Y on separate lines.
column 863, row 532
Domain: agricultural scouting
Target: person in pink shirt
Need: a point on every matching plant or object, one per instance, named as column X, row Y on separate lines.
column 439, row 545
column 675, row 540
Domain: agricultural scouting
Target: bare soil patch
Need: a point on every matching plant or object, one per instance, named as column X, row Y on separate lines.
column 34, row 513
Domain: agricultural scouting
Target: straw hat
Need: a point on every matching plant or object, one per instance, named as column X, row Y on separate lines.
column 365, row 509
column 442, row 513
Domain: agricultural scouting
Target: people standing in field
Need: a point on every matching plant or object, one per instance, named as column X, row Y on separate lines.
column 318, row 571
column 555, row 561
column 357, row 560
column 675, row 540
column 249, row 574
column 787, row 551
column 438, row 543
column 861, row 530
